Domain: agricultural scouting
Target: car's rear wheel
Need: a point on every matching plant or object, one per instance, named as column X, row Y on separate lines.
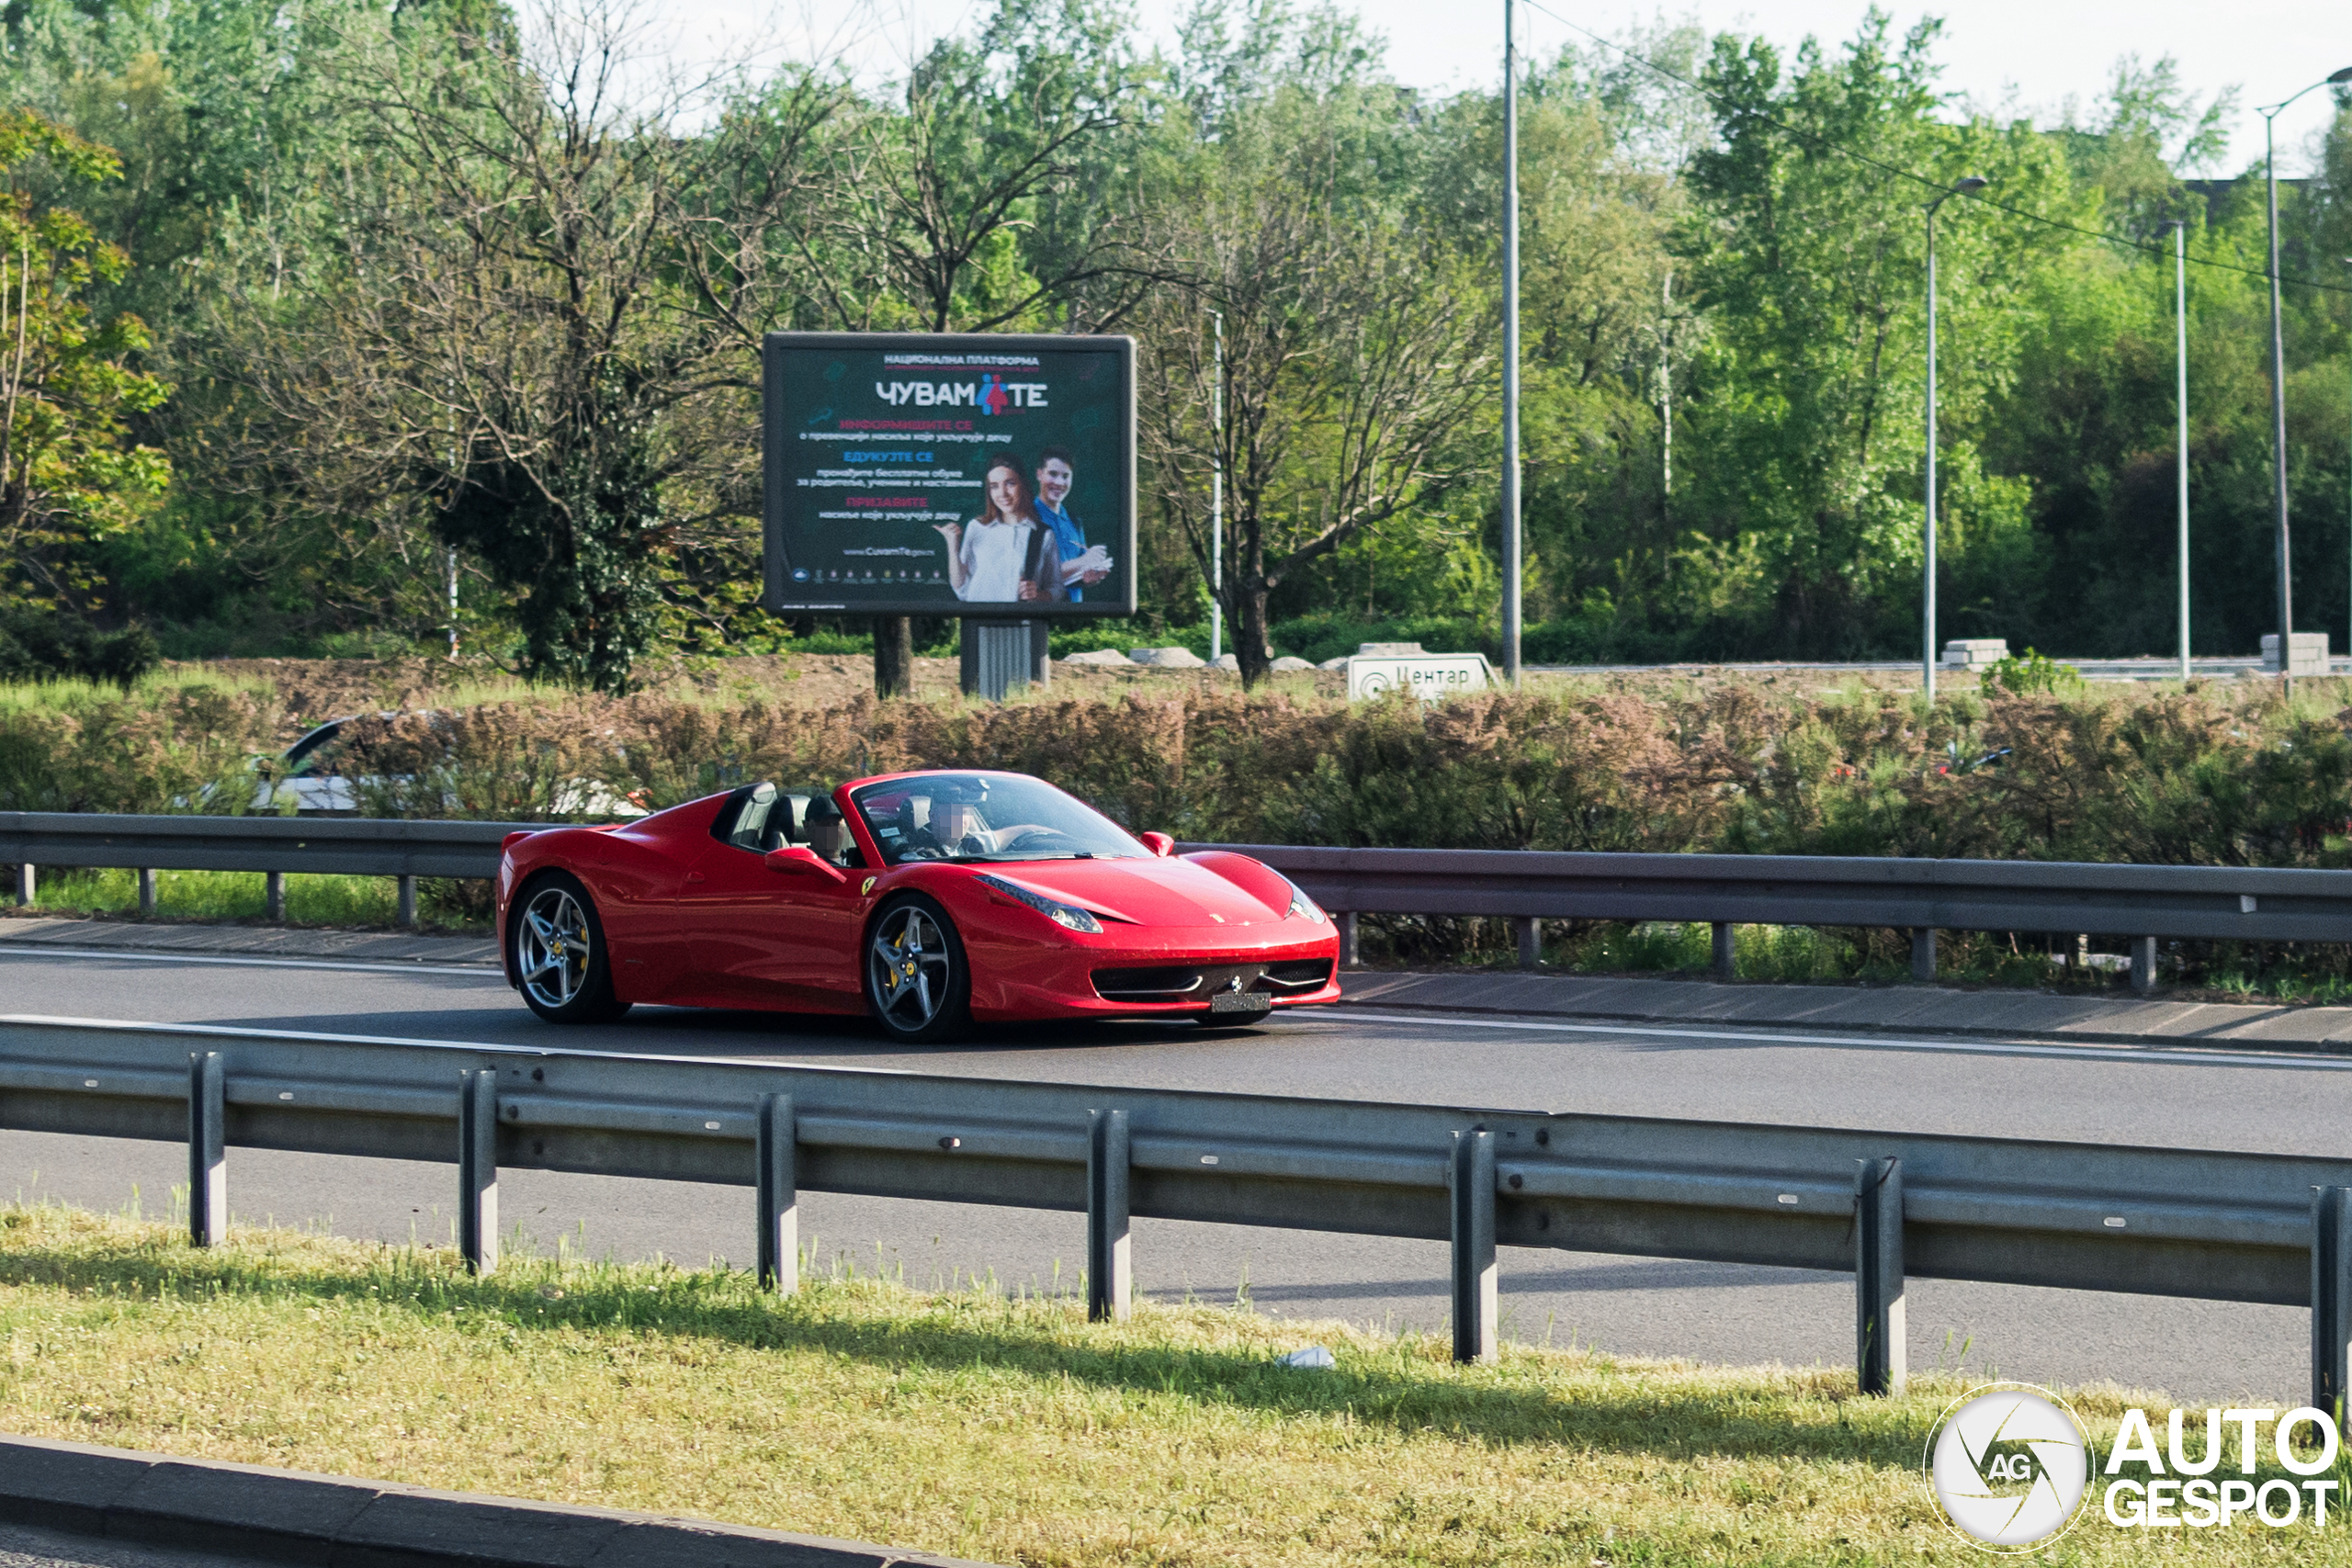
column 560, row 952
column 918, row 984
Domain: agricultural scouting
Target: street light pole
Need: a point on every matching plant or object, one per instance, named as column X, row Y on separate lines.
column 1217, row 496
column 1928, row 605
column 2181, row 405
column 1511, row 568
column 2278, row 381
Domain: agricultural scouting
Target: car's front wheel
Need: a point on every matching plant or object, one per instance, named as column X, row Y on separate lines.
column 560, row 952
column 917, row 984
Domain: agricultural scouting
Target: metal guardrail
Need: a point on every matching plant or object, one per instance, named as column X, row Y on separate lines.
column 2143, row 902
column 272, row 845
column 1881, row 1205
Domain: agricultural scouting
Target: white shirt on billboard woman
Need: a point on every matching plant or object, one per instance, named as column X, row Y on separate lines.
column 1005, row 555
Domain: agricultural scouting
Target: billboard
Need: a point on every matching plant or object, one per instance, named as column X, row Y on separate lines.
column 949, row 474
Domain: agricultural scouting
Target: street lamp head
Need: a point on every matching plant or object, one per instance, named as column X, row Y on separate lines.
column 1976, row 182
column 2339, row 77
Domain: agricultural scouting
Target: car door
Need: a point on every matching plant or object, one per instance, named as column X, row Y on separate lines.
column 737, row 928
column 821, row 963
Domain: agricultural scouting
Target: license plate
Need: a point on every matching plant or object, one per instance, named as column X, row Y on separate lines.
column 1240, row 1001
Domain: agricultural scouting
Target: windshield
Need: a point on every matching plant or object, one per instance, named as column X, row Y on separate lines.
column 986, row 816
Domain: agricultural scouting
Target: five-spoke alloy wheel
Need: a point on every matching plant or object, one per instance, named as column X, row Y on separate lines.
column 559, row 953
column 917, row 983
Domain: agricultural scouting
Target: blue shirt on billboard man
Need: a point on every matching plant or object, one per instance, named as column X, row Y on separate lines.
column 1080, row 566
column 1007, row 554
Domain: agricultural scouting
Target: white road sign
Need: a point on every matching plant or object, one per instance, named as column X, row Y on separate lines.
column 1427, row 676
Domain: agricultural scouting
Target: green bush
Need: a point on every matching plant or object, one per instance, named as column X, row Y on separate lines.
column 49, row 645
column 69, row 746
column 2223, row 774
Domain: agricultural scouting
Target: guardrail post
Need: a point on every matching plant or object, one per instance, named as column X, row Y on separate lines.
column 25, row 881
column 478, row 1169
column 1346, row 921
column 147, row 890
column 779, row 1178
column 408, row 900
column 274, row 884
column 1530, row 932
column 1923, row 953
column 2144, row 963
column 2331, row 1296
column 1726, row 963
column 1475, row 1306
column 208, row 1160
column 1110, row 1265
column 1878, row 1275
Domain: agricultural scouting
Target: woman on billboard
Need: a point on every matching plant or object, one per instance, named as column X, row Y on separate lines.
column 1007, row 554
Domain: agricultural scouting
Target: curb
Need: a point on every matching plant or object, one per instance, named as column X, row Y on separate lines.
column 335, row 1522
column 2322, row 1047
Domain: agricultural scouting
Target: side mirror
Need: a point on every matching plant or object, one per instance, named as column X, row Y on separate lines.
column 1159, row 844
column 799, row 860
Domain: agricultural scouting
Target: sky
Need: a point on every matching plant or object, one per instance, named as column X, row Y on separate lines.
column 2021, row 56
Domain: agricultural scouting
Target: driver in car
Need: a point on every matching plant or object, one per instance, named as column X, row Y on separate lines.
column 956, row 827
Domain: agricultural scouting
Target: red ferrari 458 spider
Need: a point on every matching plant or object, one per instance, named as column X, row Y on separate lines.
column 925, row 899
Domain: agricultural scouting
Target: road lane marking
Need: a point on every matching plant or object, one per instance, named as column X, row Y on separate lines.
column 2162, row 1055
column 479, row 971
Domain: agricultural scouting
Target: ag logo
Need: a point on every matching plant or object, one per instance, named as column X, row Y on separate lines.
column 2008, row 1464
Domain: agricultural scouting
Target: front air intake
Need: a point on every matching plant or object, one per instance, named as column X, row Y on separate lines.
column 1146, row 984
column 1297, row 974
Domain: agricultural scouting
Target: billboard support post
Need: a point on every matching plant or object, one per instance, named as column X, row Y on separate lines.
column 894, row 656
column 1000, row 657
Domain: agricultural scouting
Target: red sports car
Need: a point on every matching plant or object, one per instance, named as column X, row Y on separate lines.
column 926, row 900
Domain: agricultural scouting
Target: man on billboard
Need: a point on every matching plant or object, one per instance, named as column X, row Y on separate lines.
column 1008, row 554
column 1080, row 566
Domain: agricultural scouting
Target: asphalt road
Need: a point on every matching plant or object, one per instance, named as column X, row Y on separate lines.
column 2198, row 1351
column 22, row 1546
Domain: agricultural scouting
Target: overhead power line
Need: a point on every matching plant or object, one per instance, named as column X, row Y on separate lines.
column 2147, row 247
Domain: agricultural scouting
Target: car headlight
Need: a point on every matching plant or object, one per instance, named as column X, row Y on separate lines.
column 1302, row 906
column 1054, row 910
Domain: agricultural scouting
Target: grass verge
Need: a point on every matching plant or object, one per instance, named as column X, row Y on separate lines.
column 1003, row 1427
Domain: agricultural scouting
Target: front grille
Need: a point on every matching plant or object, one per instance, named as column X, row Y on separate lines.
column 1297, row 974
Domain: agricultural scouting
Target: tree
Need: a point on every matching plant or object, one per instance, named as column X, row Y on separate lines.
column 1806, row 250
column 986, row 201
column 521, row 312
column 69, row 477
column 1356, row 352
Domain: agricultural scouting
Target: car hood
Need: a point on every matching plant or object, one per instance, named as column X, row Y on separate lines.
column 1156, row 892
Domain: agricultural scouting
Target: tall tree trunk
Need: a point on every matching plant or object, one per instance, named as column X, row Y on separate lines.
column 1250, row 634
column 894, row 656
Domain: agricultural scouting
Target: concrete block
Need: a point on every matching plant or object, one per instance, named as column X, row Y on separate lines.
column 254, row 1513
column 682, row 1543
column 2308, row 652
column 66, row 1486
column 240, row 1508
column 411, row 1528
column 1974, row 653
